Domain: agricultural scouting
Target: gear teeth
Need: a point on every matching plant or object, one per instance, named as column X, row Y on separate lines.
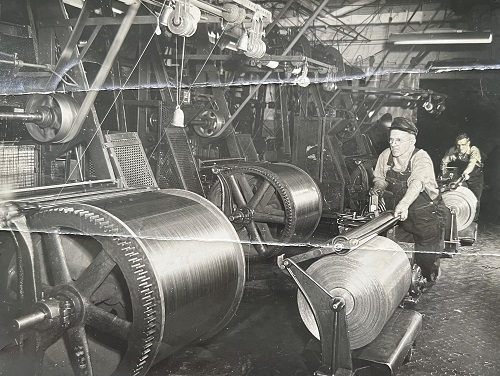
column 288, row 232
column 148, row 300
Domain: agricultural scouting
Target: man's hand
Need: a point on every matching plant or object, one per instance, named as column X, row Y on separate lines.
column 401, row 211
column 466, row 176
column 376, row 191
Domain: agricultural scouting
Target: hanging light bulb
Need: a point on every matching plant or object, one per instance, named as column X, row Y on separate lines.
column 178, row 118
column 242, row 44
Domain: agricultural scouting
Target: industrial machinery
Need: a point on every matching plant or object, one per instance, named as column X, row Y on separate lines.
column 462, row 204
column 117, row 119
column 272, row 205
column 111, row 281
column 349, row 299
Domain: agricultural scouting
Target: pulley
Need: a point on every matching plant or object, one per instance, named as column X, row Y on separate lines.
column 184, row 19
column 256, row 46
column 123, row 275
column 55, row 114
column 463, row 203
column 209, row 123
column 270, row 205
column 233, row 13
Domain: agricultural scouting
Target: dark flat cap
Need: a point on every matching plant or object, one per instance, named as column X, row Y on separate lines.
column 403, row 124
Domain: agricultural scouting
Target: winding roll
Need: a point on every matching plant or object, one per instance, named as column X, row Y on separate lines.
column 463, row 202
column 373, row 279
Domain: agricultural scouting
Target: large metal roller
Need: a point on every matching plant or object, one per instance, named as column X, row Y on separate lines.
column 271, row 205
column 372, row 279
column 463, row 203
column 138, row 276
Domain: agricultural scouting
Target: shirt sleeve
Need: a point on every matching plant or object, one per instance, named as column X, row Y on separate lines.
column 475, row 154
column 381, row 169
column 422, row 170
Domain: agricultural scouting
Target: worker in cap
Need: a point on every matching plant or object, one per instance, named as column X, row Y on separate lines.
column 469, row 162
column 408, row 173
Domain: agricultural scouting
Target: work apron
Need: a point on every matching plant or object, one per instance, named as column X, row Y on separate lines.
column 426, row 221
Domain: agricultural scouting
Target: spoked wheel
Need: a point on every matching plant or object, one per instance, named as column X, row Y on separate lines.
column 271, row 206
column 119, row 276
column 101, row 306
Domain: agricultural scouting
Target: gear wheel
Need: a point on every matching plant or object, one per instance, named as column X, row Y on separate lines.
column 120, row 269
column 272, row 206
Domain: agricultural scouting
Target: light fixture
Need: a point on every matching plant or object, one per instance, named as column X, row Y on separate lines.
column 242, row 44
column 441, row 37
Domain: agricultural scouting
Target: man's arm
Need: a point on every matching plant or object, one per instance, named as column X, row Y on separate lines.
column 448, row 157
column 475, row 156
column 422, row 171
column 379, row 182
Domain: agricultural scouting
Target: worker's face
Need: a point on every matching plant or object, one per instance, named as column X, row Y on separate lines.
column 399, row 142
column 463, row 145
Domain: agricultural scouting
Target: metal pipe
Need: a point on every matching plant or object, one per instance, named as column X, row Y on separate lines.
column 360, row 235
column 28, row 321
column 309, row 22
column 33, row 118
column 106, row 65
column 215, row 10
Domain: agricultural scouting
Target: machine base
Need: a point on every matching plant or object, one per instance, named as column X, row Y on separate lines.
column 468, row 235
column 391, row 349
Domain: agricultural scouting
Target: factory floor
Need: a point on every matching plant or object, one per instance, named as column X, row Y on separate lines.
column 460, row 329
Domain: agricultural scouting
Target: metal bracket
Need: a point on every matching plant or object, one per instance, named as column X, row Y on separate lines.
column 330, row 315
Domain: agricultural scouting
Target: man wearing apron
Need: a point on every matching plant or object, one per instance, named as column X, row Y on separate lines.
column 470, row 166
column 408, row 173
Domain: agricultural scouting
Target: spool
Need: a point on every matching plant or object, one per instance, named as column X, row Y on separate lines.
column 144, row 274
column 372, row 279
column 463, row 202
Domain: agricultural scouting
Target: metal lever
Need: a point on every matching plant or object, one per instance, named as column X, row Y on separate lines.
column 330, row 315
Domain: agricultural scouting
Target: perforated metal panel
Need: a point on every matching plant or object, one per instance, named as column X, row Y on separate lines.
column 129, row 160
column 18, row 166
column 177, row 167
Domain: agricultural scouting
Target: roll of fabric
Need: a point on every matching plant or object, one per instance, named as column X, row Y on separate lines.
column 372, row 279
column 463, row 202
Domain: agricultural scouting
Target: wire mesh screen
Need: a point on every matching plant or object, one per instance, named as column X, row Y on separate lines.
column 177, row 167
column 130, row 160
column 18, row 166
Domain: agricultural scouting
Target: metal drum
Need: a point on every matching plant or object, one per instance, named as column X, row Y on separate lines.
column 139, row 274
column 271, row 205
column 373, row 280
column 463, row 203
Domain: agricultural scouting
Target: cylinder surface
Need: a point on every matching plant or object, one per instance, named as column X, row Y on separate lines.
column 372, row 279
column 178, row 277
column 463, row 202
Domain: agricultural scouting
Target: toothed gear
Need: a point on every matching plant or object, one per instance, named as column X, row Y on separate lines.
column 124, row 250
column 121, row 266
column 296, row 192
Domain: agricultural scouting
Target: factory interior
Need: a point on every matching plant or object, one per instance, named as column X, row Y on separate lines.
column 198, row 187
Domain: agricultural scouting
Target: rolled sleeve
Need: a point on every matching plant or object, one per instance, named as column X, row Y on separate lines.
column 422, row 174
column 381, row 169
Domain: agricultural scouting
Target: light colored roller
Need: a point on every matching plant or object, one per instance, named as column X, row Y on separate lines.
column 372, row 279
column 463, row 202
